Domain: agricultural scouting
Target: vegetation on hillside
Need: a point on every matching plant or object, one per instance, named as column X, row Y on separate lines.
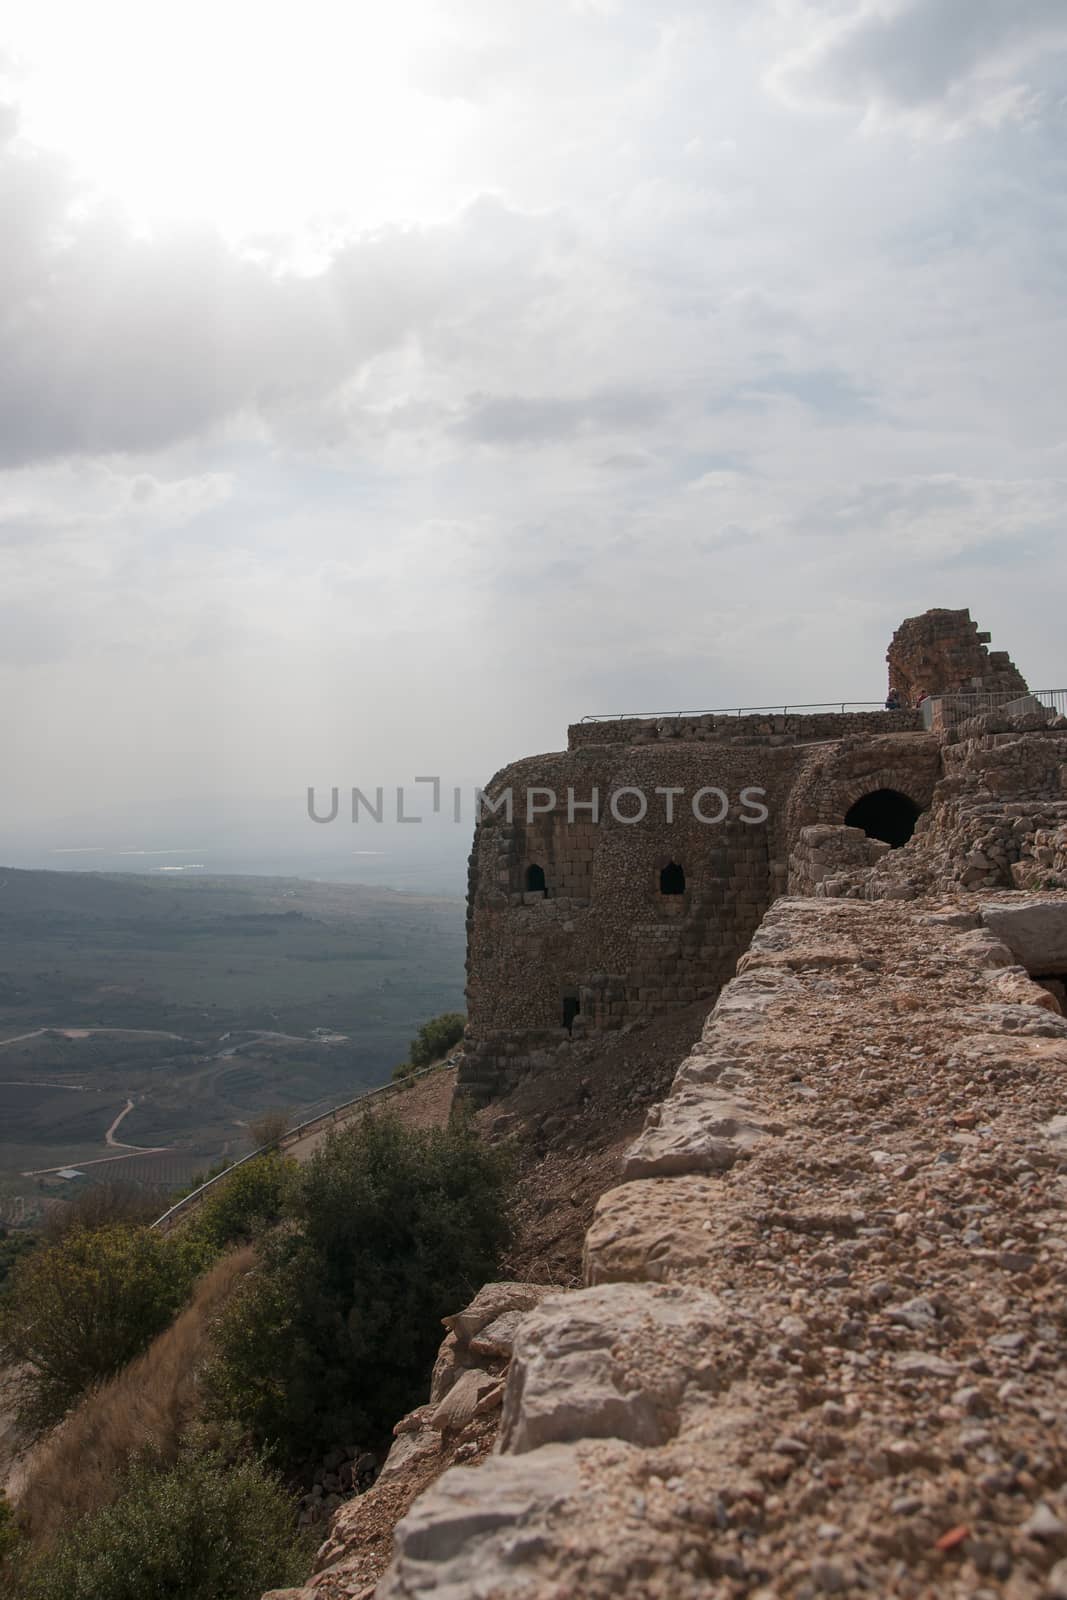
column 333, row 1337
column 204, row 1529
column 319, row 1329
column 253, row 1198
column 148, row 1409
column 433, row 1040
column 233, row 994
column 78, row 1309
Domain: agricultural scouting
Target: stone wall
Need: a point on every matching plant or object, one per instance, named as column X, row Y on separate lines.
column 592, row 941
column 996, row 813
column 602, row 945
column 943, row 650
column 758, row 728
column 822, row 854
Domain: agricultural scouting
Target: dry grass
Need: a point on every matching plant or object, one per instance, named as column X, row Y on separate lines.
column 146, row 1407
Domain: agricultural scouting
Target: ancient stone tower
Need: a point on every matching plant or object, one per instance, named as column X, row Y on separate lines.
column 943, row 650
column 626, row 874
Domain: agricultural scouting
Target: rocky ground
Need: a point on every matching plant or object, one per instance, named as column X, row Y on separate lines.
column 823, row 1346
column 568, row 1127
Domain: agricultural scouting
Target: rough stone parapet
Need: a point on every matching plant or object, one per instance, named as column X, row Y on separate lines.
column 831, row 1362
column 779, row 728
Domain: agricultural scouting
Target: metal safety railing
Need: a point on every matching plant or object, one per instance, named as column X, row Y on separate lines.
column 948, row 710
column 196, row 1197
column 740, row 711
column 970, row 705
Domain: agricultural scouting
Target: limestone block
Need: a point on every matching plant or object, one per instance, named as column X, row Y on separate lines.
column 746, row 1000
column 459, row 1542
column 613, row 1362
column 984, row 950
column 1035, row 930
column 696, row 1131
column 1031, row 1020
column 651, row 1231
column 1015, row 984
column 492, row 1301
column 464, row 1401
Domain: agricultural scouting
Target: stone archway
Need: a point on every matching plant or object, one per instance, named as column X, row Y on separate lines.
column 885, row 814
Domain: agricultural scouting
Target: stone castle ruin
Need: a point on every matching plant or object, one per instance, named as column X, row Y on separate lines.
column 820, row 1344
column 627, row 874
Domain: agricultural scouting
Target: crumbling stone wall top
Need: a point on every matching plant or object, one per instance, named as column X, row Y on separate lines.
column 755, row 728
column 942, row 651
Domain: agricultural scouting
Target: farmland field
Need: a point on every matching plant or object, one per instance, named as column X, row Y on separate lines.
column 171, row 1012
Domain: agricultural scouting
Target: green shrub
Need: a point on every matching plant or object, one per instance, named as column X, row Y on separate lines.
column 334, row 1335
column 270, row 1127
column 14, row 1244
column 436, row 1038
column 241, row 1206
column 206, row 1529
column 9, row 1534
column 77, row 1310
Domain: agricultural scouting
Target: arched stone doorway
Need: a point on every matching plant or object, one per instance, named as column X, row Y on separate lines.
column 884, row 814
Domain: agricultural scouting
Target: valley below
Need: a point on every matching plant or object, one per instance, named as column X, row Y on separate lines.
column 146, row 1022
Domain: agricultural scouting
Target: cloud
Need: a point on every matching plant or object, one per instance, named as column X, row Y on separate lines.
column 942, row 516
column 679, row 395
column 536, row 419
column 114, row 342
column 935, row 64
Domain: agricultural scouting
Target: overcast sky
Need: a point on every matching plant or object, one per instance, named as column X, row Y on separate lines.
column 384, row 386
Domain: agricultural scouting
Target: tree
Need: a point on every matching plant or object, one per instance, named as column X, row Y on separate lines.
column 433, row 1040
column 437, row 1037
column 332, row 1338
column 269, row 1128
column 242, row 1205
column 77, row 1310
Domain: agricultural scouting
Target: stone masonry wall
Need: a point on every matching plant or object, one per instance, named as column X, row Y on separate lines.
column 593, row 942
column 997, row 810
column 601, row 938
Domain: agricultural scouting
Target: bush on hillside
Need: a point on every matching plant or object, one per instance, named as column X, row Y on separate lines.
column 149, row 1408
column 207, row 1529
column 333, row 1337
column 14, row 1244
column 9, row 1535
column 436, row 1038
column 78, row 1309
column 433, row 1040
column 102, row 1205
column 269, row 1128
column 241, row 1206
